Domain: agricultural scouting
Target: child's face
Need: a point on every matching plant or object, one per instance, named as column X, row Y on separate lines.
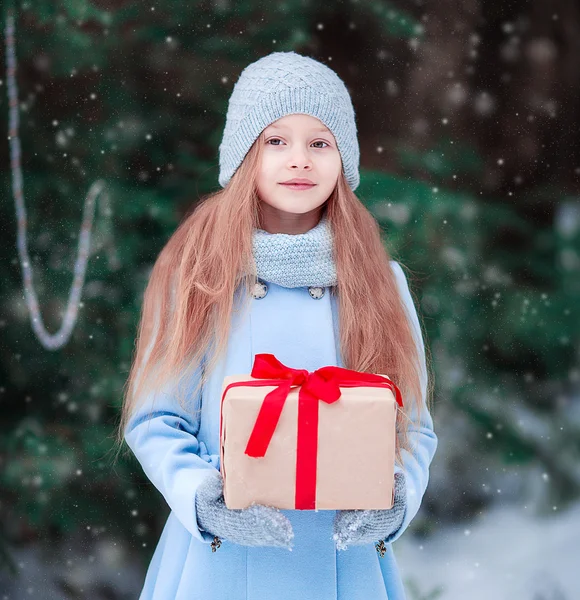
column 298, row 146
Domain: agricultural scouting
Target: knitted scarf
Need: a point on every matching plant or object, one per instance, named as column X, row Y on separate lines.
column 296, row 260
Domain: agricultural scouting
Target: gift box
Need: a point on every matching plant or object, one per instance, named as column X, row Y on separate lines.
column 295, row 439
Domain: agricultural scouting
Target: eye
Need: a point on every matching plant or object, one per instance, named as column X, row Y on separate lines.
column 321, row 142
column 274, row 139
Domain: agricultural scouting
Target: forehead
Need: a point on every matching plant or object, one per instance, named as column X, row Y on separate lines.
column 311, row 124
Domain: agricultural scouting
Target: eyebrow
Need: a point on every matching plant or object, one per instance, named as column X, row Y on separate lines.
column 318, row 129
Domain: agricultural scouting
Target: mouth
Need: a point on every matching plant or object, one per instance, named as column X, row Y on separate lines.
column 298, row 186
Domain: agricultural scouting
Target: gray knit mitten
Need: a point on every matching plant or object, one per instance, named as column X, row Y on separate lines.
column 358, row 527
column 257, row 525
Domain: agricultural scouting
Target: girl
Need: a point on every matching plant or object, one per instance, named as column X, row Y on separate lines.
column 284, row 260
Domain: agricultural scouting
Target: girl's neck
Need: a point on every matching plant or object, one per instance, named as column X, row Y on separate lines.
column 273, row 220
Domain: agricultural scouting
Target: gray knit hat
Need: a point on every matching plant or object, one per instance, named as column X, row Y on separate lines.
column 284, row 83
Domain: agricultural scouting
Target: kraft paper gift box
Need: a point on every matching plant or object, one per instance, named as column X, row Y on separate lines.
column 303, row 440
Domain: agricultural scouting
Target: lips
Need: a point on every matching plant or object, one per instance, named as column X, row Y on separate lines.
column 298, row 186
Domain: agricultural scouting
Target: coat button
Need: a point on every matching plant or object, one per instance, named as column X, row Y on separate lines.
column 260, row 289
column 316, row 292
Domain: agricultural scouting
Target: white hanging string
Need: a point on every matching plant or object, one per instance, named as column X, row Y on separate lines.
column 61, row 337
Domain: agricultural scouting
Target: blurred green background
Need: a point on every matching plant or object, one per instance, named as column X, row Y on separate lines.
column 468, row 117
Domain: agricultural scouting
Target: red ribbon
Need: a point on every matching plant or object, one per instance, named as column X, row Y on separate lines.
column 322, row 384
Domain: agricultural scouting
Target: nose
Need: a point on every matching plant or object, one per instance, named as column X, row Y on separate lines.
column 299, row 159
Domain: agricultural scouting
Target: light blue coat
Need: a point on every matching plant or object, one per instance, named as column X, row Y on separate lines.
column 177, row 452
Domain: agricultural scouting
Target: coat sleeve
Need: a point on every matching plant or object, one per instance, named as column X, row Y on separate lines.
column 163, row 436
column 422, row 439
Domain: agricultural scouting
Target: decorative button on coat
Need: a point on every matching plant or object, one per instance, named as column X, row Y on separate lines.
column 316, row 292
column 260, row 289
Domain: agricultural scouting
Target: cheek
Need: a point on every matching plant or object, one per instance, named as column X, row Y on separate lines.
column 262, row 175
column 333, row 164
column 267, row 179
column 268, row 167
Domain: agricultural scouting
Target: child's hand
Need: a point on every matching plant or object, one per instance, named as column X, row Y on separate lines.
column 257, row 525
column 357, row 527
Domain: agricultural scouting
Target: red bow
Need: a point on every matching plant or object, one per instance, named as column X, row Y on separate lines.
column 322, row 384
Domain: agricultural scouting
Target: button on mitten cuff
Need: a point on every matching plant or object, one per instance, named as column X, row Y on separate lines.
column 357, row 527
column 257, row 525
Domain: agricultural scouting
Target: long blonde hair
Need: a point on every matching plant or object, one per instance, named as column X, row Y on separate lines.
column 189, row 298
